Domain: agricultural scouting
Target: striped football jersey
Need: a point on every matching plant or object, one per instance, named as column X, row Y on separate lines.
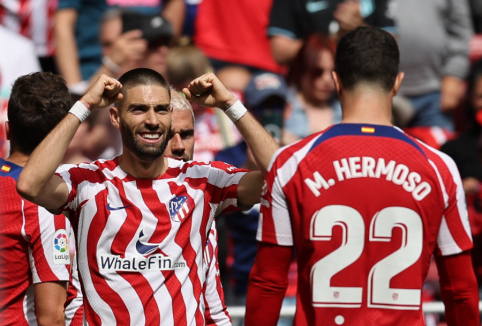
column 365, row 207
column 34, row 248
column 141, row 242
column 215, row 313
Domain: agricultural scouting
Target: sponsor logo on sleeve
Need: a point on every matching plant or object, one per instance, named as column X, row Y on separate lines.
column 60, row 246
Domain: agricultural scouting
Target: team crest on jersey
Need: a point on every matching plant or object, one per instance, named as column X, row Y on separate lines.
column 179, row 208
column 60, row 244
column 208, row 253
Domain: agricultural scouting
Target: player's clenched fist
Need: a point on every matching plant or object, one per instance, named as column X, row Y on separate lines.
column 208, row 90
column 102, row 93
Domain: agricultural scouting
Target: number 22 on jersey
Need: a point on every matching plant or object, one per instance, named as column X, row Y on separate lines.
column 379, row 294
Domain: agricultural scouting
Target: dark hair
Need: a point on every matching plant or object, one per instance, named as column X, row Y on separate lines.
column 367, row 55
column 305, row 61
column 142, row 76
column 468, row 122
column 37, row 103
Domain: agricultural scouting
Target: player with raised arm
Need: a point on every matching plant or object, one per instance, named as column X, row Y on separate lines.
column 34, row 244
column 181, row 146
column 143, row 218
column 364, row 207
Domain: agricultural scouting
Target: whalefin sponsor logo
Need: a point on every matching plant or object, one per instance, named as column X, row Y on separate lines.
column 179, row 208
column 157, row 262
column 60, row 245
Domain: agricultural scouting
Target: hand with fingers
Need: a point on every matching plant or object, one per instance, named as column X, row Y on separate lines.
column 208, row 90
column 102, row 93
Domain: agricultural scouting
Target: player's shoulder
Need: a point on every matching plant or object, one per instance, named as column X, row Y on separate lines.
column 440, row 159
column 294, row 152
column 201, row 168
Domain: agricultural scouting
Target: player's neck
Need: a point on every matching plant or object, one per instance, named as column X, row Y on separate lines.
column 18, row 158
column 366, row 105
column 133, row 166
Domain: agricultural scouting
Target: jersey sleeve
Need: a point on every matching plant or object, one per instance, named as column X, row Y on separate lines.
column 454, row 235
column 78, row 178
column 222, row 188
column 382, row 16
column 69, row 4
column 216, row 313
column 283, row 20
column 48, row 242
column 274, row 219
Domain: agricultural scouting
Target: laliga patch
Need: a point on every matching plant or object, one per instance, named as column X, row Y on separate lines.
column 60, row 245
column 178, row 208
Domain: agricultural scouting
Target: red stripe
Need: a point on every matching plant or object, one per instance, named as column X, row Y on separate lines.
column 100, row 285
column 24, row 14
column 52, row 7
column 189, row 253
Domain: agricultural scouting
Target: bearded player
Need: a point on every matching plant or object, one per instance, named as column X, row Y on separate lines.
column 364, row 207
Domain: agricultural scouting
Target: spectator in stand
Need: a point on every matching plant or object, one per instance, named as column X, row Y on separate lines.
column 466, row 150
column 33, row 19
column 34, row 244
column 434, row 55
column 312, row 101
column 77, row 26
column 291, row 21
column 234, row 33
column 476, row 11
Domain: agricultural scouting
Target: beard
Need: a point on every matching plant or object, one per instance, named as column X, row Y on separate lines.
column 145, row 152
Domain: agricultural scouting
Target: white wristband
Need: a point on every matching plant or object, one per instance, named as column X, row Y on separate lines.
column 80, row 111
column 236, row 111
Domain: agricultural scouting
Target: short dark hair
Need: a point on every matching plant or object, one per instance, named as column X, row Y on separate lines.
column 142, row 76
column 367, row 55
column 38, row 102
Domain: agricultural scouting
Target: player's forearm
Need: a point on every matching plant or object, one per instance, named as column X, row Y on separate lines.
column 262, row 145
column 174, row 12
column 66, row 53
column 49, row 303
column 45, row 159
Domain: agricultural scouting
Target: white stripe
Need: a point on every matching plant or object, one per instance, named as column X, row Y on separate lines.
column 280, row 213
column 439, row 135
column 39, row 25
column 29, row 307
column 445, row 241
column 96, row 302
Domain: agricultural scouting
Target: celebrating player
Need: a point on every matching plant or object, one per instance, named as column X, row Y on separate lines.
column 34, row 244
column 142, row 218
column 181, row 146
column 364, row 206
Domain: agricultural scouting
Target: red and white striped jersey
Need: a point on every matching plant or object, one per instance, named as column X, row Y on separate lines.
column 33, row 19
column 34, row 248
column 74, row 305
column 141, row 243
column 365, row 207
column 216, row 313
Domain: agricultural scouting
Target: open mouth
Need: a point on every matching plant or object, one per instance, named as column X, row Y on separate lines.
column 150, row 136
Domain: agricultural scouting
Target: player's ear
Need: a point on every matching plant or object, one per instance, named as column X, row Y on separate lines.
column 398, row 83
column 7, row 130
column 114, row 116
column 338, row 85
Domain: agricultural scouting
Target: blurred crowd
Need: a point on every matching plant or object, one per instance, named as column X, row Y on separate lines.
column 274, row 55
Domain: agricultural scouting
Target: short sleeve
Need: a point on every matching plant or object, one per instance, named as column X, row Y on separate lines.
column 222, row 188
column 284, row 20
column 274, row 218
column 381, row 16
column 49, row 256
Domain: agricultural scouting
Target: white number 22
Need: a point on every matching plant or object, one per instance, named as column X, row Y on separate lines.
column 353, row 232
